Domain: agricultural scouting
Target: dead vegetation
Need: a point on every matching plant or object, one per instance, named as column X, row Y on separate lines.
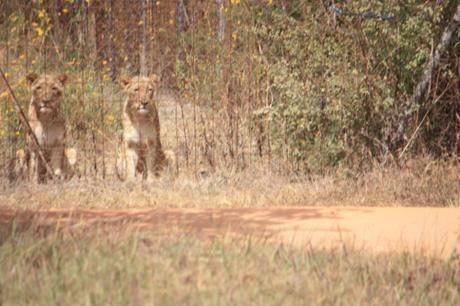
column 130, row 267
column 423, row 182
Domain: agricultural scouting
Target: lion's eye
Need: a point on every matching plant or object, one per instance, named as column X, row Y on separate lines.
column 136, row 89
column 38, row 87
column 150, row 89
column 55, row 89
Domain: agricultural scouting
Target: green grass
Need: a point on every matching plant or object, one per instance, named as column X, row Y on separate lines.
column 127, row 267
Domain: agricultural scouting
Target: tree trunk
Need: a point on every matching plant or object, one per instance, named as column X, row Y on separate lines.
column 101, row 32
column 143, row 60
column 89, row 41
column 181, row 16
column 55, row 9
column 110, row 45
column 420, row 92
column 221, row 13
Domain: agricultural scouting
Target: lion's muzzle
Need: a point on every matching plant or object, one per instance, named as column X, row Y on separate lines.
column 44, row 108
column 142, row 109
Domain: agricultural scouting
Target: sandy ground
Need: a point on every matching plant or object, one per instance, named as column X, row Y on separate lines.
column 432, row 231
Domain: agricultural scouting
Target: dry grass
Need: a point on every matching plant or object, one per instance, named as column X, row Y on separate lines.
column 126, row 267
column 422, row 183
column 121, row 265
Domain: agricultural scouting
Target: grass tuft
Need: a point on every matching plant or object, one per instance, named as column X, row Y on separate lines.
column 128, row 267
column 422, row 182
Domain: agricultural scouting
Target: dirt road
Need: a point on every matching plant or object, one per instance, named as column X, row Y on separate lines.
column 434, row 231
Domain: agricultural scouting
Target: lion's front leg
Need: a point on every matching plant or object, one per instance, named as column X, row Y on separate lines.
column 132, row 158
column 150, row 160
column 69, row 162
column 32, row 167
column 155, row 160
column 127, row 161
column 57, row 161
column 37, row 169
column 21, row 163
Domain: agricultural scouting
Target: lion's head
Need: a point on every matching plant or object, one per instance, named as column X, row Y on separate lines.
column 140, row 91
column 47, row 91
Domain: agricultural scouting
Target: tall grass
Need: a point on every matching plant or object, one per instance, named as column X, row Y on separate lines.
column 126, row 267
column 423, row 182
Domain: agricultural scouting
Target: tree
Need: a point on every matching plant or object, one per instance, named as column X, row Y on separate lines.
column 422, row 86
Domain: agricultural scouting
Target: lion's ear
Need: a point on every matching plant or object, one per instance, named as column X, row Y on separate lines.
column 62, row 78
column 31, row 77
column 124, row 81
column 155, row 79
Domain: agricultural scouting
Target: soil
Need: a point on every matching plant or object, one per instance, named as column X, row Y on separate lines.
column 431, row 231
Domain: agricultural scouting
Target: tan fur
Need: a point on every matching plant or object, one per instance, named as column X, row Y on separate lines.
column 140, row 151
column 48, row 126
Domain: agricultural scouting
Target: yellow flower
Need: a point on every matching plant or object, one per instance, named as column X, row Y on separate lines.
column 41, row 13
column 109, row 119
column 13, row 17
column 270, row 2
column 39, row 31
column 4, row 94
column 65, row 10
column 235, row 1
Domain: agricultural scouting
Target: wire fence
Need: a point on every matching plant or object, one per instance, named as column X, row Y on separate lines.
column 218, row 85
column 95, row 43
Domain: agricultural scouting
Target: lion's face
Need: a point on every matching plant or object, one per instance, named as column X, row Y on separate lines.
column 47, row 91
column 140, row 91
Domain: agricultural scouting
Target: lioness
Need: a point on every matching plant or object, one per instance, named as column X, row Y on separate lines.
column 140, row 151
column 48, row 126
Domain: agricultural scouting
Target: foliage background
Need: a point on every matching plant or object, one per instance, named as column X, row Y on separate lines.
column 284, row 84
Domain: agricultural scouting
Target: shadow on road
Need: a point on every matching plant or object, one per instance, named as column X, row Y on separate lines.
column 204, row 221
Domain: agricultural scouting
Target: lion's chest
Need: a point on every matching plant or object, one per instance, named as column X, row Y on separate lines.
column 141, row 136
column 48, row 135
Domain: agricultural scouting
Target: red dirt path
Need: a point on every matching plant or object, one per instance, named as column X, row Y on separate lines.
column 434, row 231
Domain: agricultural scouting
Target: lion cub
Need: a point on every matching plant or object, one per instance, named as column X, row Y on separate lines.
column 48, row 126
column 140, row 151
